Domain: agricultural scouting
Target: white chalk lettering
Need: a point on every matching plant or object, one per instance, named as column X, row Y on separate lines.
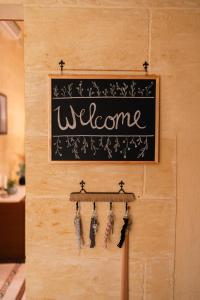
column 96, row 121
column 67, row 125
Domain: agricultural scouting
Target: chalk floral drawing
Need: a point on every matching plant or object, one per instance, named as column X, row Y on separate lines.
column 96, row 87
column 101, row 142
column 110, row 145
column 148, row 89
column 123, row 88
column 113, row 89
column 84, row 145
column 68, row 142
column 80, row 88
column 119, row 88
column 133, row 142
column 143, row 149
column 55, row 91
column 90, row 91
column 64, row 91
column 126, row 148
column 107, row 148
column 139, row 140
column 132, row 91
column 75, row 147
column 69, row 89
column 58, row 147
column 93, row 147
column 116, row 144
column 105, row 92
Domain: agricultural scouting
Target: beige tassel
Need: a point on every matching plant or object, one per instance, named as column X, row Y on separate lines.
column 78, row 228
column 109, row 228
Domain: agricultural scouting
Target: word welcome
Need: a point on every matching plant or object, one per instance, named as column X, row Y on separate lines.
column 95, row 121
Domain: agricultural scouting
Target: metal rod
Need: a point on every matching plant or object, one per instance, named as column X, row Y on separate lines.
column 104, row 70
column 125, row 269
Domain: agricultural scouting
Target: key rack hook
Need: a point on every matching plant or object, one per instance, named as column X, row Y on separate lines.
column 126, row 210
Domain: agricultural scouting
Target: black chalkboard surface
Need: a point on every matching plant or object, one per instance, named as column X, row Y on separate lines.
column 104, row 118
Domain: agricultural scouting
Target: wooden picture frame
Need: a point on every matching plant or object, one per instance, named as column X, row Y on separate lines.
column 154, row 79
column 3, row 114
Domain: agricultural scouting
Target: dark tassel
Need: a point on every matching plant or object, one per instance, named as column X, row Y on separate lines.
column 93, row 230
column 123, row 232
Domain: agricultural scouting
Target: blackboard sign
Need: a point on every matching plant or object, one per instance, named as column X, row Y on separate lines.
column 104, row 118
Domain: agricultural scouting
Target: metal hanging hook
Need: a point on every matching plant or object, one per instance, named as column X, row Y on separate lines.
column 126, row 209
column 121, row 184
column 82, row 184
column 61, row 63
column 145, row 66
column 110, row 206
column 77, row 206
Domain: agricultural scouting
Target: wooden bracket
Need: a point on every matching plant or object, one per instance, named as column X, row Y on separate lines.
column 84, row 196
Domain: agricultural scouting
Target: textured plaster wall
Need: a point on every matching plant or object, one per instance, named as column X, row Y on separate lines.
column 12, row 85
column 120, row 35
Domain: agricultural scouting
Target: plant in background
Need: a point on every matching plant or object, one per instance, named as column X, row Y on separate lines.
column 21, row 173
column 21, row 170
column 11, row 186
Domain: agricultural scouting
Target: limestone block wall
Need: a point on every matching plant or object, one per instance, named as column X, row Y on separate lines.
column 106, row 34
column 92, row 35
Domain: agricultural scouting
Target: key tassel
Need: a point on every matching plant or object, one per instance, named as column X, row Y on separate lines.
column 93, row 231
column 79, row 229
column 109, row 228
column 93, row 227
column 123, row 232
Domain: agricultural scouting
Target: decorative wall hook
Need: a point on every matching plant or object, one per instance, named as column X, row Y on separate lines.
column 121, row 184
column 145, row 65
column 82, row 184
column 61, row 63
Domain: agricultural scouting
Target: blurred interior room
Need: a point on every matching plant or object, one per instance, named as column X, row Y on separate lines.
column 12, row 161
